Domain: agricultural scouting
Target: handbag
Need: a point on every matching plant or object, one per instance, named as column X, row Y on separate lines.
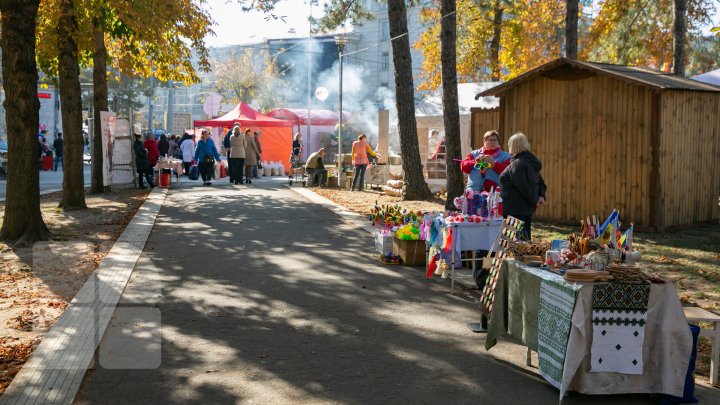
column 259, row 165
column 208, row 160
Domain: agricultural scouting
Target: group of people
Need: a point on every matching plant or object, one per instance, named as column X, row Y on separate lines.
column 243, row 151
column 56, row 151
column 314, row 167
column 517, row 173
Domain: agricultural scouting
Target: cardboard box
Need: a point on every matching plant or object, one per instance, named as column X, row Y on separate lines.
column 412, row 252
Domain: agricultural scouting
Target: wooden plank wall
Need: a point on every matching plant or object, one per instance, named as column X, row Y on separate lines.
column 483, row 120
column 690, row 157
column 592, row 136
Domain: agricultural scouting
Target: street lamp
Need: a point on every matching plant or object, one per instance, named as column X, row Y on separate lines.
column 341, row 40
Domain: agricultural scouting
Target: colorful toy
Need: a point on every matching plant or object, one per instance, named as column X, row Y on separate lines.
column 481, row 166
column 390, row 258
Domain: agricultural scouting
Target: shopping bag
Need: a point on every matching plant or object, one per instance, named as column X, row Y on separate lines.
column 223, row 169
column 216, row 174
column 194, row 172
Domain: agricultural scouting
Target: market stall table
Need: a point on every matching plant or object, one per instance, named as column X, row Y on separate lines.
column 665, row 348
column 470, row 236
column 174, row 165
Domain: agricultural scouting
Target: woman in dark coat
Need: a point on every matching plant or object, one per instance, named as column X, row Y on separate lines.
column 141, row 162
column 163, row 145
column 522, row 188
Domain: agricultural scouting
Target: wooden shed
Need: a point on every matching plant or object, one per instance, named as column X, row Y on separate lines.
column 609, row 136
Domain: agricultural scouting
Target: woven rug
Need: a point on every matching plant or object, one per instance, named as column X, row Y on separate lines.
column 554, row 319
column 619, row 317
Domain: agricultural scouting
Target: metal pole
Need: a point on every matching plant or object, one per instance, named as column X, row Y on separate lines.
column 309, row 83
column 151, row 93
column 341, row 172
column 171, row 108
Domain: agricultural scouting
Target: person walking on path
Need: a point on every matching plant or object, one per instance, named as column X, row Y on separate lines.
column 206, row 154
column 152, row 149
column 522, row 188
column 226, row 140
column 259, row 155
column 58, row 145
column 360, row 151
column 251, row 156
column 141, row 163
column 236, row 161
column 187, row 147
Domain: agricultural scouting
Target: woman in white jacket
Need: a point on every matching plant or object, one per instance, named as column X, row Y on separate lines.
column 187, row 146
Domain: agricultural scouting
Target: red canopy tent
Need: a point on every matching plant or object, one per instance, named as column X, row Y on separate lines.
column 276, row 138
column 322, row 123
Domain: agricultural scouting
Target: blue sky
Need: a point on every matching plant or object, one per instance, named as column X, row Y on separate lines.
column 233, row 26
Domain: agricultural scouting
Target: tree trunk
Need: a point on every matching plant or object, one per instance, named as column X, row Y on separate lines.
column 23, row 222
column 415, row 186
column 100, row 103
column 451, row 113
column 679, row 31
column 71, row 108
column 571, row 29
column 495, row 41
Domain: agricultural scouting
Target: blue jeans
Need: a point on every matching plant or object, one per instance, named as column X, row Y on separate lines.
column 359, row 172
column 59, row 159
column 255, row 172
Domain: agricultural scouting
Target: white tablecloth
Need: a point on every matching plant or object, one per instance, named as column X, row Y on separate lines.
column 473, row 236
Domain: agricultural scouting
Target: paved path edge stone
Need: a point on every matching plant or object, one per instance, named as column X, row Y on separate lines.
column 53, row 373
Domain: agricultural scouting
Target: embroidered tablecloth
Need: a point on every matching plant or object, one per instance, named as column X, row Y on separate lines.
column 666, row 346
column 557, row 301
column 619, row 316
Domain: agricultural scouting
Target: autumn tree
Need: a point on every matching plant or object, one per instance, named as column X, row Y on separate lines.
column 145, row 38
column 619, row 32
column 479, row 23
column 416, row 187
column 23, row 222
column 679, row 30
column 73, row 196
column 251, row 75
column 451, row 111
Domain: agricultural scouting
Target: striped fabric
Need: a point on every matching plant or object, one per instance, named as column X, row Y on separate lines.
column 554, row 319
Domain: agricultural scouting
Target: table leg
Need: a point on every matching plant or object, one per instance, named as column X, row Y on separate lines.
column 715, row 353
column 452, row 271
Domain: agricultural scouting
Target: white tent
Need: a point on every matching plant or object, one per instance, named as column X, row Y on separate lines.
column 429, row 112
column 712, row 77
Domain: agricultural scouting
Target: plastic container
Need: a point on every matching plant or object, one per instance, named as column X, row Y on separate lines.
column 47, row 163
column 164, row 180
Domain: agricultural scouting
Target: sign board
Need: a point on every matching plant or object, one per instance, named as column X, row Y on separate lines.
column 122, row 162
column 107, row 126
column 181, row 122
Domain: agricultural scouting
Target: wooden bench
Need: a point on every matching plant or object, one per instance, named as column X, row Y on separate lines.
column 695, row 315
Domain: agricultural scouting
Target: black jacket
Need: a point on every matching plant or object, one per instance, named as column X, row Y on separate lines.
column 58, row 145
column 141, row 160
column 521, row 185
